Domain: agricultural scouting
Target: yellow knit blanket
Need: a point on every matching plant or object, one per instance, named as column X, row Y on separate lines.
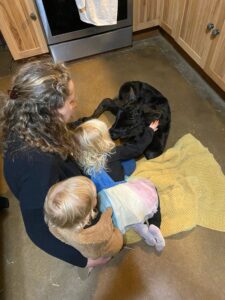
column 191, row 187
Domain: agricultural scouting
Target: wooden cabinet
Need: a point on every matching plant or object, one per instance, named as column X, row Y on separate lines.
column 170, row 15
column 215, row 64
column 187, row 22
column 193, row 35
column 21, row 28
column 146, row 13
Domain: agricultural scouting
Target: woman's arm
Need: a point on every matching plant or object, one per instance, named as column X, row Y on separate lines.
column 38, row 232
column 97, row 262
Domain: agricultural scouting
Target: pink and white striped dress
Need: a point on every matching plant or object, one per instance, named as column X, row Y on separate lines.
column 132, row 202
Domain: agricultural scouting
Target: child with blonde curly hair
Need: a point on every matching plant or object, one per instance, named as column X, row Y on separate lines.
column 102, row 161
column 72, row 216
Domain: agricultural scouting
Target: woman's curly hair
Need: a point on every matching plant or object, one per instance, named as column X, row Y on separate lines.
column 30, row 111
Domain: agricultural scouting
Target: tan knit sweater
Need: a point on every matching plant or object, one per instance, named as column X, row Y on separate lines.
column 99, row 240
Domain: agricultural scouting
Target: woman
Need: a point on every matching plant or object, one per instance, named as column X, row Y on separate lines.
column 39, row 148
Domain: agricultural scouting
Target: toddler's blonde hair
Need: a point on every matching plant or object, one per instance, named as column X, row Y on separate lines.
column 93, row 145
column 70, row 203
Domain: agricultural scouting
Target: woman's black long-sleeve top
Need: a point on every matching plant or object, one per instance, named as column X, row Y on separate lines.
column 30, row 173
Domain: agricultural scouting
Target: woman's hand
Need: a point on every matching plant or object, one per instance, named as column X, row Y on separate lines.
column 97, row 262
column 154, row 125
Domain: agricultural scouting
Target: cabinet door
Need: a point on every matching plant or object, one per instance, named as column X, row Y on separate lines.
column 146, row 14
column 21, row 28
column 193, row 35
column 215, row 64
column 171, row 14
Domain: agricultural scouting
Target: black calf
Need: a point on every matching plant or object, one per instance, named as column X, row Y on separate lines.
column 137, row 105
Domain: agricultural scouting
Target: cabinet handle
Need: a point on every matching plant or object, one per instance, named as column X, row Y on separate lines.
column 215, row 32
column 210, row 26
column 33, row 16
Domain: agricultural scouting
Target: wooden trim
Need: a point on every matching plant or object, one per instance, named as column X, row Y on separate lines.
column 152, row 23
column 146, row 33
column 146, row 13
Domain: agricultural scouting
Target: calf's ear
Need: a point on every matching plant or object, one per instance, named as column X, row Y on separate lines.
column 132, row 96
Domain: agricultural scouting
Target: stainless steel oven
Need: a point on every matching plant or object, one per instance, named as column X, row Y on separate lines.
column 69, row 38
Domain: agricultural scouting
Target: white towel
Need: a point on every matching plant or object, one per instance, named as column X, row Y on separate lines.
column 98, row 12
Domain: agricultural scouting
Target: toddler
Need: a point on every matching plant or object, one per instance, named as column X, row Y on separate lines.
column 102, row 161
column 71, row 215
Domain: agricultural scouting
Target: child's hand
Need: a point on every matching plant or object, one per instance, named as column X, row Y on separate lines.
column 97, row 262
column 154, row 125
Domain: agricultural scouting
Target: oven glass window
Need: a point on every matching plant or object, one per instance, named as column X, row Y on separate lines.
column 63, row 16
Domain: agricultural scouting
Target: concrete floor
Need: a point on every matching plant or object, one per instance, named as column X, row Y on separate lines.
column 192, row 266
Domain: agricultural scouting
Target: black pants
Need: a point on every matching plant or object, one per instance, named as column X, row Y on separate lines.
column 156, row 219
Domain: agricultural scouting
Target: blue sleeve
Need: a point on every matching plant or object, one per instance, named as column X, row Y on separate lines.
column 129, row 166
